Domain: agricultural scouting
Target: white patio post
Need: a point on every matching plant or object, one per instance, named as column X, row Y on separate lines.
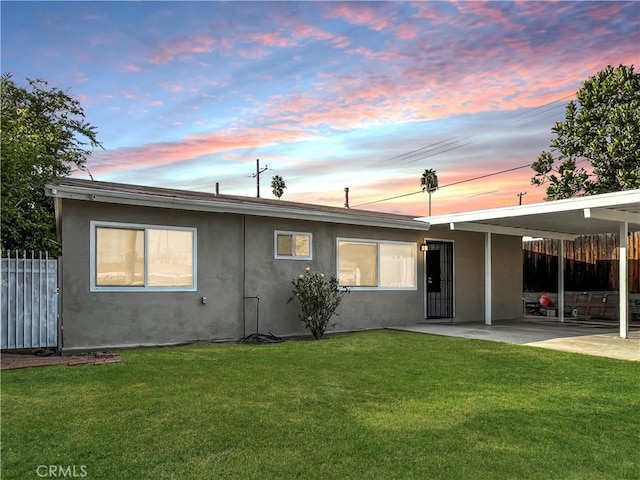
column 561, row 280
column 623, row 281
column 487, row 278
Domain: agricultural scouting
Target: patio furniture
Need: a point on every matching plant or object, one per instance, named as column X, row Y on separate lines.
column 536, row 308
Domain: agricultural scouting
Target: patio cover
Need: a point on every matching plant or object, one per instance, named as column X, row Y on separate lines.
column 617, row 212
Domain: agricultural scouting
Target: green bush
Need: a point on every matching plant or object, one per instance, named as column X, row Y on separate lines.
column 318, row 298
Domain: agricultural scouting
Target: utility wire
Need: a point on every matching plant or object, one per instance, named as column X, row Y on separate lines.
column 426, row 149
column 437, row 153
column 429, row 148
column 530, row 110
column 528, row 165
column 450, row 184
column 533, row 122
column 390, row 198
column 541, row 113
column 451, row 141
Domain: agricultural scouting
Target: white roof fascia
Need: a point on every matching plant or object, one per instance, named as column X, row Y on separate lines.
column 611, row 215
column 626, row 197
column 498, row 229
column 220, row 206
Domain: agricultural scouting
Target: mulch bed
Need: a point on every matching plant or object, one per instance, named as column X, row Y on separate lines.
column 12, row 361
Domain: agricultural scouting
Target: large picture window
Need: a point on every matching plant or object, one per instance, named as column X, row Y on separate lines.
column 142, row 257
column 377, row 264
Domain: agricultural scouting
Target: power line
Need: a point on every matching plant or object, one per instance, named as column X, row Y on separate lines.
column 399, row 157
column 438, row 153
column 451, row 141
column 528, row 165
column 543, row 116
column 448, row 141
column 530, row 110
column 449, row 184
column 543, row 112
column 426, row 149
column 533, row 122
column 390, row 198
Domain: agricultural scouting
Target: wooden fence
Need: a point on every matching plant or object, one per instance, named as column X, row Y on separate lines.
column 29, row 302
column 591, row 264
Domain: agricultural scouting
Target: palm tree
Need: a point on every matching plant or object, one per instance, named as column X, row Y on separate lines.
column 277, row 186
column 429, row 182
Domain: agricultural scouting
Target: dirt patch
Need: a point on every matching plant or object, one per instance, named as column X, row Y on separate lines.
column 12, row 361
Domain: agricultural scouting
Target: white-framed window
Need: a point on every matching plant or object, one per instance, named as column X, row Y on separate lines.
column 292, row 245
column 377, row 264
column 132, row 257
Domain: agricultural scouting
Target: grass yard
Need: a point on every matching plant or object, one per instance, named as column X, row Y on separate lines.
column 374, row 405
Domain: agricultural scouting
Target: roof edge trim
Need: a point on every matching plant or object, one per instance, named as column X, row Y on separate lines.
column 625, row 197
column 499, row 229
column 222, row 206
column 612, row 215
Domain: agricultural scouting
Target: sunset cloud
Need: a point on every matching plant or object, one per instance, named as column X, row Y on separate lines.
column 183, row 47
column 375, row 17
column 131, row 67
column 328, row 94
column 189, row 148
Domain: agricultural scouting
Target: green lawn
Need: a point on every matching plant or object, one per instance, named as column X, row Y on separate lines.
column 374, row 405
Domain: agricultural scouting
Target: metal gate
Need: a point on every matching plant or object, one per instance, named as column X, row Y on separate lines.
column 29, row 302
column 439, row 279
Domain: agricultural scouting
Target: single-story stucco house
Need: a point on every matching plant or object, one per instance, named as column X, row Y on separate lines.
column 155, row 266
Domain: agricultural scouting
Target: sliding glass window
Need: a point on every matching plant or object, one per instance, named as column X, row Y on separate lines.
column 128, row 257
column 377, row 264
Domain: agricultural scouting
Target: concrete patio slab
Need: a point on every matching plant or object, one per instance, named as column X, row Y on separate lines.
column 597, row 340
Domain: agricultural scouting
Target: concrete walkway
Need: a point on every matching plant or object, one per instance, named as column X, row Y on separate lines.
column 568, row 337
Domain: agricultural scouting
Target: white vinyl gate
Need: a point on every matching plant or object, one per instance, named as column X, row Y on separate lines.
column 29, row 302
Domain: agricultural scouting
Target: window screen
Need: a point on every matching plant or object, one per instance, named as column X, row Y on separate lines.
column 293, row 245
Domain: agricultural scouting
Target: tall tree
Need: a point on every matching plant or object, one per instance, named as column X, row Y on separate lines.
column 601, row 131
column 43, row 135
column 278, row 186
column 429, row 182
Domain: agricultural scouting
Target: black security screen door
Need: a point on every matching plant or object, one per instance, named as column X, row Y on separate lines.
column 439, row 279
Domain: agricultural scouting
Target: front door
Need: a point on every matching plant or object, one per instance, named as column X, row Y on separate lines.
column 439, row 279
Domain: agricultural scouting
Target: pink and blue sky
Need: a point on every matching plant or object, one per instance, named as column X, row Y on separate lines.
column 327, row 94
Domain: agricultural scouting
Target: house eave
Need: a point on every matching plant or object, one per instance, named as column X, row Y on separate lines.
column 560, row 219
column 220, row 205
column 625, row 197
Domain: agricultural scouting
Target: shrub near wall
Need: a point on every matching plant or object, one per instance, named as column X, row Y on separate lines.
column 318, row 298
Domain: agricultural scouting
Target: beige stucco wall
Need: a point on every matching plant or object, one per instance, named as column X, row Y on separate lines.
column 107, row 319
column 469, row 277
column 236, row 259
column 235, row 255
column 506, row 277
column 271, row 278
